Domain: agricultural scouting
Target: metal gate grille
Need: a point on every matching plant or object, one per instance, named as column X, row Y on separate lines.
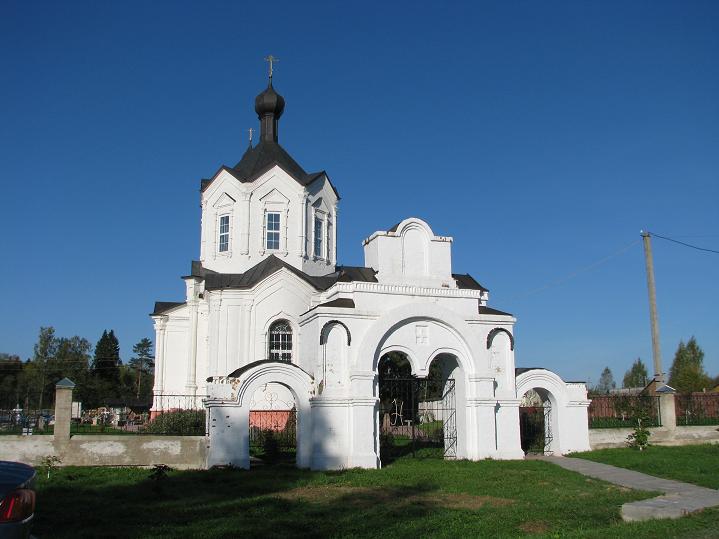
column 273, row 434
column 417, row 417
column 535, row 428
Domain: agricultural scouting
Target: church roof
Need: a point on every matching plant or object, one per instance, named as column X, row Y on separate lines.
column 258, row 273
column 467, row 282
column 162, row 307
column 483, row 309
column 258, row 159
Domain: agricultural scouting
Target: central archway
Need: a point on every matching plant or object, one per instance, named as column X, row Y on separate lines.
column 418, row 416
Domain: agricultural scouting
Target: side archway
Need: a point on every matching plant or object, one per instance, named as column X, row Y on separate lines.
column 229, row 417
column 568, row 416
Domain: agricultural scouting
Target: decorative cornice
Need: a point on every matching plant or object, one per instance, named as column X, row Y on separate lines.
column 406, row 290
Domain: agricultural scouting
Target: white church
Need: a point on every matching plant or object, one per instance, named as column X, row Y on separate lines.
column 271, row 324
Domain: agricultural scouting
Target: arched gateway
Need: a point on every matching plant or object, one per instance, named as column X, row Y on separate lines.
column 272, row 327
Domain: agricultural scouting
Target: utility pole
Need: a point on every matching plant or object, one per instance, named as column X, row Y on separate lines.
column 654, row 319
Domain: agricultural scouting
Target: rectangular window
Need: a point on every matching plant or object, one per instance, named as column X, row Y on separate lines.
column 319, row 226
column 224, row 233
column 272, row 231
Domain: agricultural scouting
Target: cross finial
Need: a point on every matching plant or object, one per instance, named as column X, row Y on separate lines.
column 250, row 131
column 271, row 59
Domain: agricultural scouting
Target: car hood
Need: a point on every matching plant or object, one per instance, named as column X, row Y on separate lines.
column 15, row 475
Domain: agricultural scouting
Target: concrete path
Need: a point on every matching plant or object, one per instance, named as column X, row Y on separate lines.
column 679, row 498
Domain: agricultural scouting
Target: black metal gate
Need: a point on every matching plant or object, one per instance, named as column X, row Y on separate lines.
column 535, row 428
column 273, row 435
column 417, row 416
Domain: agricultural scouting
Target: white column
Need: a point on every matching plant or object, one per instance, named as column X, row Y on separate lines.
column 215, row 302
column 335, row 228
column 245, row 232
column 192, row 304
column 160, row 333
column 245, row 347
column 302, row 225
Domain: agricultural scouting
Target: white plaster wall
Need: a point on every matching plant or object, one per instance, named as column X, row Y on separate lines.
column 176, row 355
column 411, row 255
column 246, row 205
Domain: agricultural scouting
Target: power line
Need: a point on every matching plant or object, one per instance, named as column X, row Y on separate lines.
column 577, row 272
column 685, row 244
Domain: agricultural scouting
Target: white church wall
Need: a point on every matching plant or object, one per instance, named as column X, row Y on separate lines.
column 320, row 201
column 176, row 356
column 282, row 296
column 410, row 255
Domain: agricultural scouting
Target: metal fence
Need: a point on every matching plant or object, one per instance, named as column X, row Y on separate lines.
column 172, row 415
column 27, row 422
column 697, row 409
column 611, row 411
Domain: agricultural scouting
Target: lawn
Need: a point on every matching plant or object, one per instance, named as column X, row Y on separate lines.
column 410, row 498
column 698, row 464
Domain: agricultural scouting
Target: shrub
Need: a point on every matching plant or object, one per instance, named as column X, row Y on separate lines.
column 639, row 439
column 181, row 423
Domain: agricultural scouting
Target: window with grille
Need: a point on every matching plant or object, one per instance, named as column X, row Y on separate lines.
column 224, row 243
column 281, row 341
column 272, row 231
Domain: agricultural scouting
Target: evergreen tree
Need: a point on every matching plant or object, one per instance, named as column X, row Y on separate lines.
column 106, row 364
column 637, row 376
column 687, row 372
column 143, row 361
column 606, row 381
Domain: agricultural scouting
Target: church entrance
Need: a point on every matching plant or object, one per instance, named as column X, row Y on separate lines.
column 535, row 422
column 273, row 425
column 417, row 416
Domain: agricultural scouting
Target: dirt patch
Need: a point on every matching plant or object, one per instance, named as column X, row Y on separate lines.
column 361, row 497
column 534, row 526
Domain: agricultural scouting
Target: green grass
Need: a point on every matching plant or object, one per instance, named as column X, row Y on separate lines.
column 698, row 464
column 410, row 498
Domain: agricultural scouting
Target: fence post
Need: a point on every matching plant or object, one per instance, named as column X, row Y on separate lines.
column 667, row 410
column 63, row 409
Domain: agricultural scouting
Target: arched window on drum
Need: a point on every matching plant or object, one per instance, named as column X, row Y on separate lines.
column 280, row 341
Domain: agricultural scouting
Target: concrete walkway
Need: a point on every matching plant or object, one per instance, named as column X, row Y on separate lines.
column 679, row 498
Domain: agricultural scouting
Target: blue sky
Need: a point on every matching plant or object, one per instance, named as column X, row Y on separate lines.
column 542, row 136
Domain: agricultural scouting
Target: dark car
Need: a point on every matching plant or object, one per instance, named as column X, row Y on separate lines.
column 17, row 499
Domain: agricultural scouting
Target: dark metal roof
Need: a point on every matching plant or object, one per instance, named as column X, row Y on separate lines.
column 394, row 228
column 483, row 309
column 259, row 272
column 344, row 303
column 162, row 307
column 238, row 372
column 259, row 159
column 467, row 282
column 347, row 274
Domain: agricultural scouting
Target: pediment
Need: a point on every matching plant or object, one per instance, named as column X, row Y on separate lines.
column 275, row 196
column 321, row 205
column 224, row 200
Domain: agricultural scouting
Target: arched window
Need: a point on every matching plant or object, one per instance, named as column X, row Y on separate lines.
column 280, row 341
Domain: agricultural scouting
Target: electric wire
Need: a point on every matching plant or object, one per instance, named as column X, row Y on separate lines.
column 576, row 273
column 654, row 234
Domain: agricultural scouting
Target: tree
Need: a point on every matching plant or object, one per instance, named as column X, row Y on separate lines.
column 43, row 352
column 10, row 375
column 637, row 376
column 606, row 381
column 143, row 361
column 687, row 372
column 106, row 363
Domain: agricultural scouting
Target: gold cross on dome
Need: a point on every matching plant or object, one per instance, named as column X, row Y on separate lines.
column 271, row 59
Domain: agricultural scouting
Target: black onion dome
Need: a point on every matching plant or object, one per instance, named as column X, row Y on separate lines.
column 269, row 102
